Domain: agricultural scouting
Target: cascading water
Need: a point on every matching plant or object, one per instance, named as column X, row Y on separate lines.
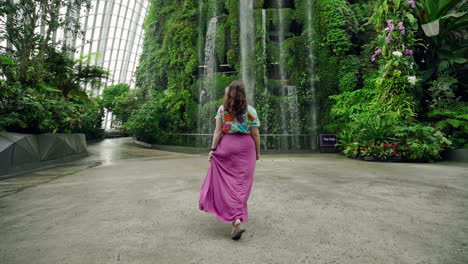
column 283, row 82
column 289, row 109
column 210, row 59
column 294, row 115
column 200, row 39
column 206, row 108
column 287, row 117
column 313, row 109
column 247, row 45
column 265, row 73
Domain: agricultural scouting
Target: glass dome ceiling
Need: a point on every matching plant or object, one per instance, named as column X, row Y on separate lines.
column 114, row 29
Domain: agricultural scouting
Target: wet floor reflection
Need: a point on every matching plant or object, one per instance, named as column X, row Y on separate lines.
column 103, row 153
column 109, row 151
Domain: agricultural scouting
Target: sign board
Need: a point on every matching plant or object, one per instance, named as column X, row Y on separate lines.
column 328, row 140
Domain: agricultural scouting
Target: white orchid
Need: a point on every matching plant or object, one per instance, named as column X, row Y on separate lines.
column 412, row 80
column 397, row 53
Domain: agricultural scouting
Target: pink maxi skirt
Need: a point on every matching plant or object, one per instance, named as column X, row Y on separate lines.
column 228, row 182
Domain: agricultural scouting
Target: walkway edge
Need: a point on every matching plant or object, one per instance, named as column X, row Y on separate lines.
column 42, row 165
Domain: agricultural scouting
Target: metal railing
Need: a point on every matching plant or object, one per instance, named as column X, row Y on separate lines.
column 270, row 142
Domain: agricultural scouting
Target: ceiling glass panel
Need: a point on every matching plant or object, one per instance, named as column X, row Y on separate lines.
column 114, row 30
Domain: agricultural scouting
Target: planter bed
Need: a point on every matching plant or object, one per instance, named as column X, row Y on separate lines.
column 21, row 153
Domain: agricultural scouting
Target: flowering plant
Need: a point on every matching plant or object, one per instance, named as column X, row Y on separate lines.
column 384, row 151
column 412, row 80
column 394, row 54
column 393, row 150
column 371, row 150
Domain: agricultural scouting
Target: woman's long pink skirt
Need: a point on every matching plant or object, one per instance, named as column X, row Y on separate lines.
column 229, row 179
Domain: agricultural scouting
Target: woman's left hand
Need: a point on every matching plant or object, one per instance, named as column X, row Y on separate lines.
column 210, row 156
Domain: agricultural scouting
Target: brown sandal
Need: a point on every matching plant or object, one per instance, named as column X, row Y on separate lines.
column 238, row 230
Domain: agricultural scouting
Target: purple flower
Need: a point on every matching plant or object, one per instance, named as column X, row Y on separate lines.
column 411, row 2
column 376, row 53
column 388, row 37
column 408, row 52
column 390, row 29
column 401, row 28
column 390, row 25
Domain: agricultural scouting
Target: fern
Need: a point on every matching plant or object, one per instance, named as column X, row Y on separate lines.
column 458, row 108
column 462, row 116
column 456, row 123
column 453, row 120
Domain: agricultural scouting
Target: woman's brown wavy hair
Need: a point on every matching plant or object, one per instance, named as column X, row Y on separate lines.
column 235, row 102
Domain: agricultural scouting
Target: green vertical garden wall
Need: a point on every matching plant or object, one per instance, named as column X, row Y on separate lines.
column 174, row 50
column 389, row 77
column 336, row 66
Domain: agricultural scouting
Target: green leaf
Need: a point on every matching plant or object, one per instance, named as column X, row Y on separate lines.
column 445, row 6
column 452, row 57
column 412, row 20
column 455, row 123
column 45, row 88
column 464, row 116
column 455, row 25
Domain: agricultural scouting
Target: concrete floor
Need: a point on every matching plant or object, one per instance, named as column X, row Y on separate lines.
column 127, row 204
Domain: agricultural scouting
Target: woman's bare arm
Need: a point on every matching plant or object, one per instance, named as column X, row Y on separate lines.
column 218, row 132
column 256, row 137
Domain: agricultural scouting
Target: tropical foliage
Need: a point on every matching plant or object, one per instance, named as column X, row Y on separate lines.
column 410, row 106
column 388, row 76
column 41, row 84
column 168, row 63
column 380, row 80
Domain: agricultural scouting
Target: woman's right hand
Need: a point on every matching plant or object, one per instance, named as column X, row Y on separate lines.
column 210, row 156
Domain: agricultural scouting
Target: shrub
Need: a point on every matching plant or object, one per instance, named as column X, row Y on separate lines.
column 442, row 91
column 148, row 122
column 381, row 141
column 27, row 110
column 422, row 142
column 49, row 97
column 110, row 94
column 348, row 74
column 453, row 120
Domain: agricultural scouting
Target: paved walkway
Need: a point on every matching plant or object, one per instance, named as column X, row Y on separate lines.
column 127, row 204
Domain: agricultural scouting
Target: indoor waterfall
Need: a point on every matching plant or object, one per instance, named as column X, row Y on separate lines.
column 313, row 109
column 247, row 46
column 207, row 108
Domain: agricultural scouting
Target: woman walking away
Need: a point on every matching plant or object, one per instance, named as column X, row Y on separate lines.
column 234, row 151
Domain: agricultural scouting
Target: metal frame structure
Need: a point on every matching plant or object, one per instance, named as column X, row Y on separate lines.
column 114, row 30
